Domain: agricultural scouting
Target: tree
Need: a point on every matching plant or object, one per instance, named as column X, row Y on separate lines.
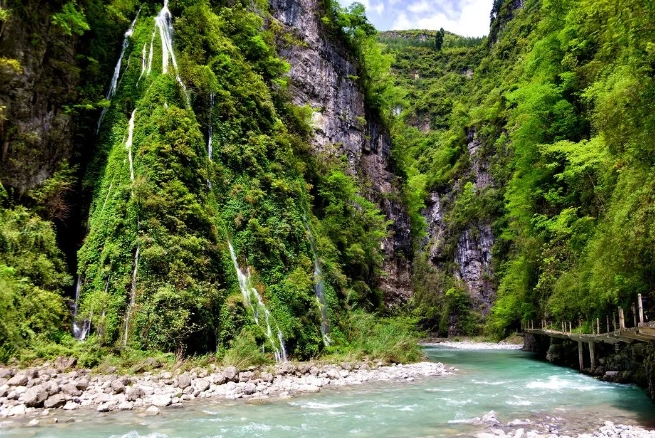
column 438, row 40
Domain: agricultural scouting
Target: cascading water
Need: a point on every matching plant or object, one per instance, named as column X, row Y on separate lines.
column 79, row 331
column 319, row 289
column 164, row 23
column 210, row 149
column 128, row 144
column 117, row 70
column 248, row 293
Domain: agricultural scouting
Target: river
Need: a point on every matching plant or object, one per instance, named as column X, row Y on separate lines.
column 512, row 383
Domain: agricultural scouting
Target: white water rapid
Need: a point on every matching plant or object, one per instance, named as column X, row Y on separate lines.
column 248, row 293
column 128, row 144
column 319, row 289
column 80, row 328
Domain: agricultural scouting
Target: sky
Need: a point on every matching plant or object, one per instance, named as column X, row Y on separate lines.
column 463, row 17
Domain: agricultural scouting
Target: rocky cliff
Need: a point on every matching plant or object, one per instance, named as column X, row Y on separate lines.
column 324, row 76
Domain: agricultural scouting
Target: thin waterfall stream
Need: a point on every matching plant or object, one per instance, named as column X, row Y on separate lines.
column 249, row 293
column 319, row 289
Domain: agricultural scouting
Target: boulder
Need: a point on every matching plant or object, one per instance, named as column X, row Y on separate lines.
column 161, row 400
column 6, row 373
column 132, row 393
column 71, row 406
column 18, row 380
column 249, row 388
column 52, row 387
column 246, row 376
column 71, row 390
column 82, row 384
column 219, row 378
column 117, row 386
column 55, row 401
column 65, row 363
column 17, row 410
column 35, row 396
column 152, row 410
column 184, row 380
column 126, row 406
column 231, row 373
column 201, row 384
column 266, row 377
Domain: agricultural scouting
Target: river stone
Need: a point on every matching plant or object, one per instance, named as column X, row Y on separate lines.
column 184, row 380
column 52, row 387
column 333, row 374
column 246, row 376
column 490, row 418
column 104, row 407
column 4, row 390
column 161, row 400
column 125, row 406
column 152, row 410
column 219, row 378
column 18, row 380
column 231, row 373
column 82, row 384
column 55, row 401
column 117, row 386
column 266, row 377
column 17, row 410
column 201, row 384
column 71, row 390
column 134, row 392
column 6, row 373
column 249, row 388
column 33, row 422
column 65, row 363
column 35, row 396
column 71, row 406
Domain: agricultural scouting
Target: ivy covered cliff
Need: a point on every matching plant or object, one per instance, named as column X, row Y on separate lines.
column 201, row 197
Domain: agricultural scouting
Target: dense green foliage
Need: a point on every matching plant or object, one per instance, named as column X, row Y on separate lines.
column 155, row 272
column 560, row 99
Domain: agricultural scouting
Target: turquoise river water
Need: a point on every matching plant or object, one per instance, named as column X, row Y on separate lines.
column 512, row 383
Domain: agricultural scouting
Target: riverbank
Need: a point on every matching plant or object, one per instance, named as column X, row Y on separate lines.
column 549, row 429
column 38, row 393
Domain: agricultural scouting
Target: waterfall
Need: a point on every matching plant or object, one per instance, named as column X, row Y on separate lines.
column 128, row 144
column 248, row 293
column 79, row 331
column 164, row 23
column 211, row 127
column 143, row 64
column 117, row 70
column 151, row 54
column 319, row 289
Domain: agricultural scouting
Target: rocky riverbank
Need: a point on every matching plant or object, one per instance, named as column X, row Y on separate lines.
column 39, row 392
column 554, row 427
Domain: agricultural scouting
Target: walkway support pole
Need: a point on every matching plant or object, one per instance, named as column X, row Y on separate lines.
column 641, row 309
column 592, row 354
column 581, row 354
column 621, row 319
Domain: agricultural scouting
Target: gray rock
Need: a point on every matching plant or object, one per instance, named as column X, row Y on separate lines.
column 65, row 363
column 71, row 390
column 161, row 400
column 219, row 378
column 35, row 396
column 126, row 406
column 104, row 407
column 52, row 387
column 132, row 393
column 201, row 384
column 17, row 410
column 33, row 422
column 249, row 388
column 246, row 376
column 82, row 384
column 55, row 401
column 266, row 377
column 71, row 406
column 184, row 380
column 117, row 386
column 231, row 373
column 6, row 373
column 4, row 390
column 490, row 418
column 152, row 410
column 18, row 380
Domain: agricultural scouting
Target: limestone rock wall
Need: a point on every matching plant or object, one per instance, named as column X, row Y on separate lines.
column 323, row 76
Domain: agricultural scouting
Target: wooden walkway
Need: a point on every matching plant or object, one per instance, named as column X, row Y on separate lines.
column 645, row 332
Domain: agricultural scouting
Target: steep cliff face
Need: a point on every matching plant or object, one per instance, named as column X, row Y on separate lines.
column 36, row 134
column 323, row 77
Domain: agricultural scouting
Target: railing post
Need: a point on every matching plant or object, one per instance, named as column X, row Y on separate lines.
column 621, row 319
column 598, row 326
column 634, row 315
column 641, row 309
column 608, row 323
